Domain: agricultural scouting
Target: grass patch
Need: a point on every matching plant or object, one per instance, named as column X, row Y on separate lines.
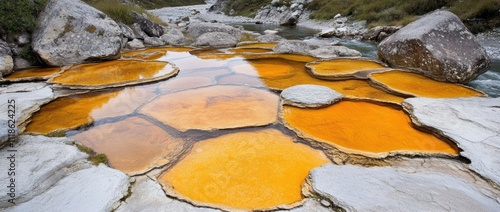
column 154, row 4
column 395, row 12
column 247, row 8
column 20, row 15
column 121, row 12
column 95, row 158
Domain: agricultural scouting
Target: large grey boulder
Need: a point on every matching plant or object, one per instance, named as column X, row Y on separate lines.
column 92, row 189
column 27, row 98
column 199, row 28
column 473, row 123
column 216, row 40
column 41, row 162
column 151, row 28
column 439, row 46
column 72, row 32
column 294, row 47
column 310, row 96
column 356, row 188
column 329, row 52
column 148, row 196
column 6, row 61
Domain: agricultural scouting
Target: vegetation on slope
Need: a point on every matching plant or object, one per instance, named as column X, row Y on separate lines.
column 478, row 14
column 119, row 11
column 245, row 7
column 20, row 15
column 154, row 4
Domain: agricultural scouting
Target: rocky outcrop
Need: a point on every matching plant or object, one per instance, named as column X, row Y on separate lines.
column 151, row 28
column 135, row 44
column 355, row 188
column 72, row 32
column 153, row 41
column 200, row 28
column 270, row 38
column 286, row 14
column 44, row 161
column 147, row 195
column 174, row 37
column 471, row 122
column 216, row 40
column 329, row 52
column 439, row 46
column 379, row 33
column 6, row 61
column 33, row 96
column 310, row 96
column 294, row 47
column 127, row 32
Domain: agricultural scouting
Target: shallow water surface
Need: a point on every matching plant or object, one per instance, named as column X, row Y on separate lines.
column 219, row 122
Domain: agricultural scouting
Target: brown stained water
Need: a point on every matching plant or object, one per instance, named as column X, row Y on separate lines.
column 217, row 123
column 114, row 73
column 33, row 73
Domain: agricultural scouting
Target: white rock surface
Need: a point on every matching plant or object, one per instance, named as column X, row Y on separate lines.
column 28, row 98
column 148, row 196
column 309, row 205
column 473, row 123
column 357, row 188
column 93, row 189
column 270, row 38
column 39, row 163
column 310, row 96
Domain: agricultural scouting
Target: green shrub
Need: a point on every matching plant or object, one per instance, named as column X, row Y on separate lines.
column 95, row 158
column 121, row 12
column 20, row 15
column 154, row 4
column 245, row 7
column 477, row 14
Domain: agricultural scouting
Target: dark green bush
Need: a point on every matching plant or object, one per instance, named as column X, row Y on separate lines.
column 19, row 15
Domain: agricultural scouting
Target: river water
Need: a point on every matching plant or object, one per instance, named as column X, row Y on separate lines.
column 489, row 82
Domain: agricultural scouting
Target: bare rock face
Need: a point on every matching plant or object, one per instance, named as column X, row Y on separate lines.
column 72, row 32
column 216, row 40
column 44, row 161
column 270, row 38
column 473, row 123
column 439, row 46
column 199, row 28
column 6, row 61
column 27, row 98
column 329, row 52
column 356, row 188
column 294, row 47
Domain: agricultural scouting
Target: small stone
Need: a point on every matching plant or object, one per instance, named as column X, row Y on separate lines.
column 310, row 96
column 216, row 40
column 325, row 203
column 153, row 41
column 135, row 44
